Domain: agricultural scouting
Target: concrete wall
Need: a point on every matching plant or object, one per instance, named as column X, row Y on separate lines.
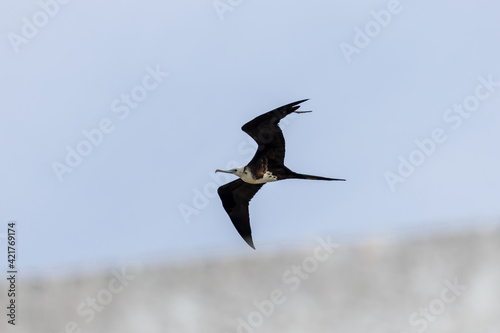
column 442, row 284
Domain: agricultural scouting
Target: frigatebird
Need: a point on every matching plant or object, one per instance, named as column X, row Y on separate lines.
column 267, row 165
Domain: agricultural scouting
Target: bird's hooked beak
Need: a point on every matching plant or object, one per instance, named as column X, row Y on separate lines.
column 225, row 171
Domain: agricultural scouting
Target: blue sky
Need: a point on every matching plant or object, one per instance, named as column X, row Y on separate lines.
column 169, row 85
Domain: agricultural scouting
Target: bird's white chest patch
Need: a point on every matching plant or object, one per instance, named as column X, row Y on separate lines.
column 247, row 177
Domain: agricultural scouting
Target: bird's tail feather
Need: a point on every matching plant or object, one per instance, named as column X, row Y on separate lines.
column 302, row 176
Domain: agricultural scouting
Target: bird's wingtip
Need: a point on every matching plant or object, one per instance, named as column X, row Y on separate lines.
column 249, row 241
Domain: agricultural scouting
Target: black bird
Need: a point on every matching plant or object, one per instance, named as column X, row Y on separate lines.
column 266, row 166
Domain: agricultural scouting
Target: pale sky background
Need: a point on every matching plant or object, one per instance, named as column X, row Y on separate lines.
column 125, row 198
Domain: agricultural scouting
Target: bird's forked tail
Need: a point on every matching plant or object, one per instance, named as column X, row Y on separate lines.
column 302, row 176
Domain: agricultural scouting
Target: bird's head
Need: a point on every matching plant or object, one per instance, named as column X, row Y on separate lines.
column 238, row 171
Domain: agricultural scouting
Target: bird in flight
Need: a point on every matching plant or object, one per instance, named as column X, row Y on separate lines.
column 267, row 165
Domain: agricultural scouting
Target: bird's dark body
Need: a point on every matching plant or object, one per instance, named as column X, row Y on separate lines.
column 261, row 166
column 266, row 165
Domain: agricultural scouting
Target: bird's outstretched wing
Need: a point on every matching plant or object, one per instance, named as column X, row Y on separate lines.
column 235, row 197
column 265, row 131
